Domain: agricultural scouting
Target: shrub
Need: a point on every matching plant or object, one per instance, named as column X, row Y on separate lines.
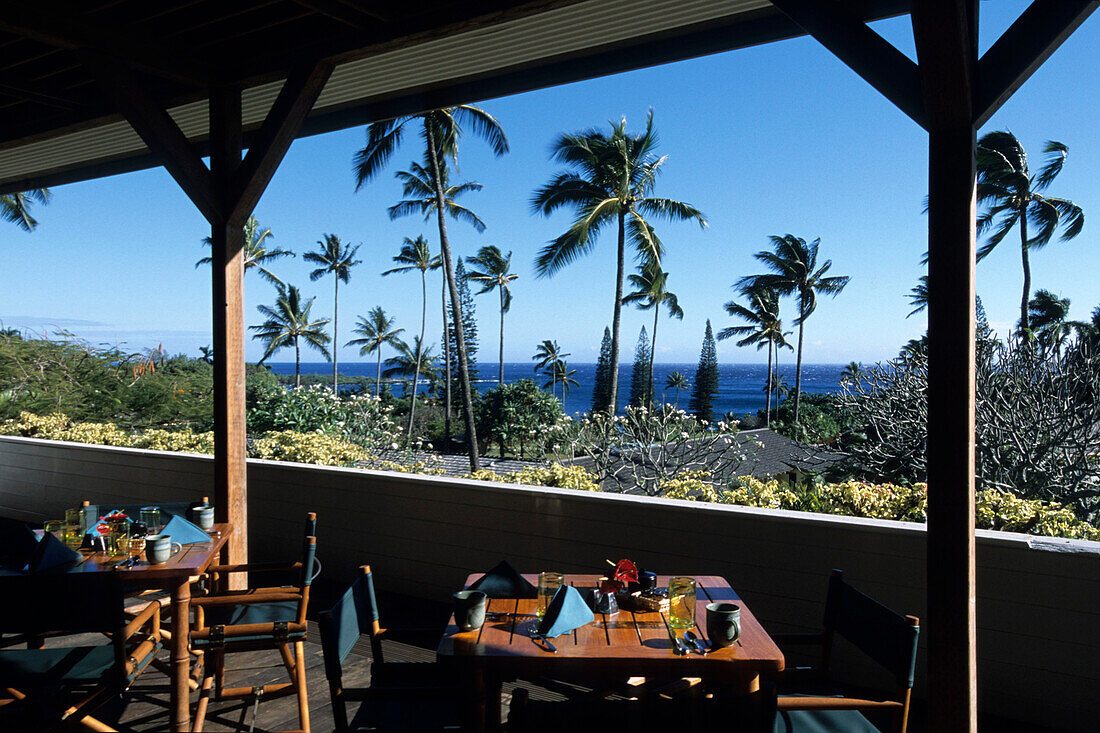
column 316, row 448
column 178, row 441
column 518, row 416
column 362, row 418
column 552, row 475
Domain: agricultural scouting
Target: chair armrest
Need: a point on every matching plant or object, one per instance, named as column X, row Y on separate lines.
column 152, row 611
column 249, row 630
column 254, row 567
column 835, row 703
column 234, row 599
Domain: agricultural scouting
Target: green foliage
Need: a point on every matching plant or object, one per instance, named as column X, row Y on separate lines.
column 706, row 379
column 601, row 391
column 822, row 419
column 362, row 419
column 552, row 475
column 518, row 416
column 317, row 448
column 641, row 378
column 469, row 321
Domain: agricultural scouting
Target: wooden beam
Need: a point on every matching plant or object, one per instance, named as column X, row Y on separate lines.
column 945, row 33
column 867, row 53
column 159, row 131
column 274, row 137
column 1023, row 48
column 43, row 95
column 227, row 238
column 340, row 12
column 64, row 25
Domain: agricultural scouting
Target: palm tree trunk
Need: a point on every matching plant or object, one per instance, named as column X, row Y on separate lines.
column 798, row 371
column 335, row 316
column 1025, row 322
column 613, row 398
column 652, row 355
column 447, row 366
column 456, row 312
column 378, row 375
column 420, row 346
column 297, row 364
column 768, row 407
column 500, row 379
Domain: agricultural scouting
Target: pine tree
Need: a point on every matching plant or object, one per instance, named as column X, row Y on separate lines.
column 641, row 379
column 601, row 390
column 706, row 379
column 469, row 321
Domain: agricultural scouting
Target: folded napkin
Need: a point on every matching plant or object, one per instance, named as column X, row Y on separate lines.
column 17, row 544
column 504, row 581
column 51, row 553
column 184, row 532
column 567, row 611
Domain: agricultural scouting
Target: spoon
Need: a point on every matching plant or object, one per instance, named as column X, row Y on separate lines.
column 695, row 641
column 678, row 647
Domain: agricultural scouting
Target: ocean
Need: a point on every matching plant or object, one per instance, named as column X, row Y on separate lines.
column 740, row 386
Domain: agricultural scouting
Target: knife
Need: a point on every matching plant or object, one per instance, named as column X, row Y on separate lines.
column 543, row 643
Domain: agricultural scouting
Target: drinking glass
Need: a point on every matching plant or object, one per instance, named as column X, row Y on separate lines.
column 136, row 545
column 150, row 517
column 119, row 532
column 74, row 520
column 681, row 602
column 548, row 585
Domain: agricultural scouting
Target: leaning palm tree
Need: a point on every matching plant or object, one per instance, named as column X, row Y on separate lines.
column 560, row 373
column 441, row 129
column 677, row 381
column 546, row 354
column 650, row 292
column 336, row 258
column 794, row 271
column 1048, row 316
column 918, row 296
column 16, row 207
column 1012, row 194
column 415, row 360
column 609, row 180
column 851, row 373
column 419, row 189
column 415, row 255
column 493, row 272
column 762, row 327
column 288, row 323
column 376, row 331
column 256, row 253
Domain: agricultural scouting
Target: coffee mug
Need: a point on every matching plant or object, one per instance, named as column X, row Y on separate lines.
column 470, row 609
column 203, row 515
column 159, row 547
column 723, row 624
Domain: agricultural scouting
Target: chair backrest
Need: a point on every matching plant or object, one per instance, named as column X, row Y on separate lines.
column 885, row 636
column 355, row 614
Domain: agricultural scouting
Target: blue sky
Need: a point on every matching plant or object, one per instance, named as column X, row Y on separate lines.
column 768, row 140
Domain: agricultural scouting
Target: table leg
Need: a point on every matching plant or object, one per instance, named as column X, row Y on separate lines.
column 180, row 691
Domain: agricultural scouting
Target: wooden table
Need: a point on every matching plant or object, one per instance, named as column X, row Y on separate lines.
column 616, row 646
column 175, row 576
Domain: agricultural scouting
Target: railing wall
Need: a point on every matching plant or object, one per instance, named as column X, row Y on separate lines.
column 1038, row 599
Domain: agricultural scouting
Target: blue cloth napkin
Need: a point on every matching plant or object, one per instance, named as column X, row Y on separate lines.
column 51, row 553
column 567, row 611
column 184, row 532
column 504, row 581
column 17, row 544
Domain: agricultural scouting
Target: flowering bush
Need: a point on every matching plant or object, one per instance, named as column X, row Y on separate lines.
column 642, row 450
column 317, row 448
column 553, row 475
column 178, row 441
column 361, row 418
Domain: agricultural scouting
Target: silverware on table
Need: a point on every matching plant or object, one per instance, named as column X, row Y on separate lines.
column 678, row 647
column 694, row 640
column 543, row 643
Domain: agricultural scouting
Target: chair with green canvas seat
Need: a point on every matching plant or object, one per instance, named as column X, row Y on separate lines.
column 401, row 695
column 261, row 618
column 883, row 635
column 64, row 685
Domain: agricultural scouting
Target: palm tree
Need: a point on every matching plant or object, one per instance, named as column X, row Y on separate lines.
column 608, row 181
column 851, row 373
column 1048, row 316
column 419, row 188
column 494, row 274
column 560, row 373
column 649, row 283
column 337, row 258
column 16, row 207
column 677, row 381
column 441, row 130
column 794, row 271
column 918, row 296
column 255, row 253
column 415, row 255
column 416, row 360
column 377, row 330
column 546, row 354
column 288, row 323
column 1012, row 194
column 763, row 327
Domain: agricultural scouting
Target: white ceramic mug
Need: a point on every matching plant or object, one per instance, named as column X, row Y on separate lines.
column 160, row 547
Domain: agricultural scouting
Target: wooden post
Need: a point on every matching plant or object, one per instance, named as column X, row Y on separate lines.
column 227, row 236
